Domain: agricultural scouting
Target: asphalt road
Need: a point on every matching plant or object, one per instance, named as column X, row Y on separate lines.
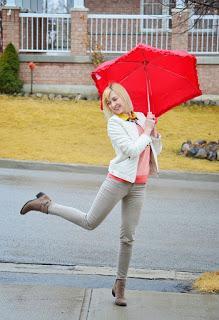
column 179, row 226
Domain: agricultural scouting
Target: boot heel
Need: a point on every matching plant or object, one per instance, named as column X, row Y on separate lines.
column 40, row 194
column 118, row 292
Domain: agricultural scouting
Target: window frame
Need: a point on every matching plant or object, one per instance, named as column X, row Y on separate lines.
column 165, row 12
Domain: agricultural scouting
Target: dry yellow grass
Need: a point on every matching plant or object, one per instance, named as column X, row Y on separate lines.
column 69, row 132
column 208, row 282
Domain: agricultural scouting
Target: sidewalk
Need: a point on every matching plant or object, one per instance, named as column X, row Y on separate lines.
column 28, row 302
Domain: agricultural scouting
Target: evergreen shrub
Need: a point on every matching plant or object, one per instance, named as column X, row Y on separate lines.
column 9, row 71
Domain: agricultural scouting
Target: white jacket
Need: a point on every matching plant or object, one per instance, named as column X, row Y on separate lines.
column 128, row 146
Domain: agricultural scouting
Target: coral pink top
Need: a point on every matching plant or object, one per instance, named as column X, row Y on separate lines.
column 143, row 164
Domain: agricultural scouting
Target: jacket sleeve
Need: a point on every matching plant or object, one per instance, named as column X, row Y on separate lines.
column 121, row 140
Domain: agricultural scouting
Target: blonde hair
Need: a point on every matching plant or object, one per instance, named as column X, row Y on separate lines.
column 121, row 92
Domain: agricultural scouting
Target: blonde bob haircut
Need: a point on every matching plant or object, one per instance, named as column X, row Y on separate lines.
column 121, row 92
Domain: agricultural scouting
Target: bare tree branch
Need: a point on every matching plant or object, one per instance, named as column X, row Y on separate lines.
column 2, row 3
column 198, row 8
column 212, row 4
column 195, row 4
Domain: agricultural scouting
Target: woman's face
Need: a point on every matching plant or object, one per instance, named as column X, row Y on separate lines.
column 116, row 103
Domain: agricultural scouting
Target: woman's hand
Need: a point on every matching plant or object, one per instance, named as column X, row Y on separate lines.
column 149, row 123
column 150, row 115
column 154, row 132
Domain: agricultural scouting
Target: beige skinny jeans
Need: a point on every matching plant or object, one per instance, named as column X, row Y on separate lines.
column 109, row 194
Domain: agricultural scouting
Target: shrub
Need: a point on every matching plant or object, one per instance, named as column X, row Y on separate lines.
column 9, row 71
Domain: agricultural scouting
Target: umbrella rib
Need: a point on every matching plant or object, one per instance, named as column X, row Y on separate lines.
column 132, row 73
column 144, row 66
column 178, row 75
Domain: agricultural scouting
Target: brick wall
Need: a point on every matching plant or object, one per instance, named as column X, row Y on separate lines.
column 58, row 73
column 79, row 74
column 113, row 6
column 79, row 32
column 11, row 27
column 208, row 78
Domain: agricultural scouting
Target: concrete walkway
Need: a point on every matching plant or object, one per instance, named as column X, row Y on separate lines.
column 28, row 302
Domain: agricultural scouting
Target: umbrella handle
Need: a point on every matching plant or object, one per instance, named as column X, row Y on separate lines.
column 148, row 100
column 148, row 96
column 149, row 103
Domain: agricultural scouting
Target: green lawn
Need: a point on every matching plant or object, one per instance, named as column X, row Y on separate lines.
column 69, row 132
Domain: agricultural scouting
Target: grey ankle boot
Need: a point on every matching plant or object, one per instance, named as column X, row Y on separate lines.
column 41, row 203
column 118, row 291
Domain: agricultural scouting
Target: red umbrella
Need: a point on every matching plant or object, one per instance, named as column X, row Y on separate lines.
column 156, row 80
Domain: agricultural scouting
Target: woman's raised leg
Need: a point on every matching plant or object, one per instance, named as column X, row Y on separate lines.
column 109, row 194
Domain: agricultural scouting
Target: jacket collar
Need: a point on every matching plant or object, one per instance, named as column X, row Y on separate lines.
column 140, row 120
column 128, row 117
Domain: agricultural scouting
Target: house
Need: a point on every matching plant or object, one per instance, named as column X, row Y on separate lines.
column 62, row 45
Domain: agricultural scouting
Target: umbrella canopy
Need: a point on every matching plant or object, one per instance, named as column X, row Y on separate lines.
column 156, row 80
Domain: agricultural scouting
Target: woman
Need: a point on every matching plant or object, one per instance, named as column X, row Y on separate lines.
column 136, row 145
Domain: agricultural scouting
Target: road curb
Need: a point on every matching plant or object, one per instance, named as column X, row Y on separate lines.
column 93, row 169
column 96, row 270
column 51, row 166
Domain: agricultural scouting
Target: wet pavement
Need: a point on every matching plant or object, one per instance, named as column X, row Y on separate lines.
column 178, row 229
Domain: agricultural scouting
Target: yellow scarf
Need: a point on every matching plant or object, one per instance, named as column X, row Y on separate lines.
column 128, row 117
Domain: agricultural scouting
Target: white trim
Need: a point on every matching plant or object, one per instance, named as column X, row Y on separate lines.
column 53, row 40
column 204, row 38
column 19, row 3
column 126, row 16
column 205, row 17
column 11, row 3
column 166, row 8
column 78, row 4
column 128, row 27
column 180, row 4
column 46, row 15
column 141, row 7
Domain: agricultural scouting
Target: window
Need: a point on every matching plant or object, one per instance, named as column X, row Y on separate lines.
column 159, row 10
column 157, row 7
column 30, row 5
